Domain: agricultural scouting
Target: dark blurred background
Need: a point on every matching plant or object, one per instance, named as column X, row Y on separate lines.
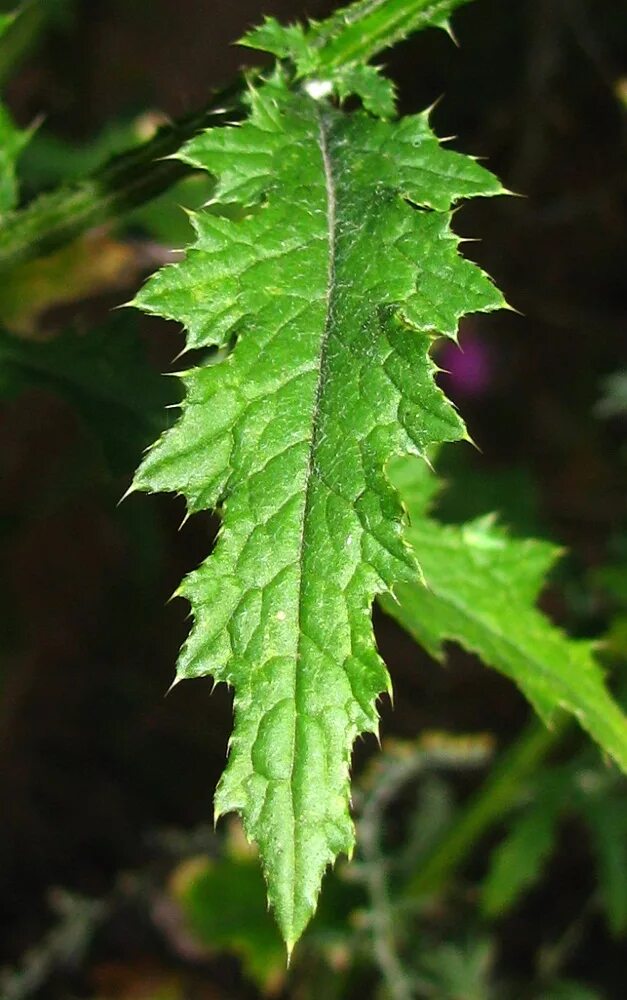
column 96, row 762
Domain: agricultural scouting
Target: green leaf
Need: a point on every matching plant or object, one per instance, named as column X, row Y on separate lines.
column 606, row 816
column 376, row 92
column 333, row 285
column 351, row 36
column 224, row 903
column 356, row 33
column 285, row 41
column 12, row 142
column 480, row 587
column 333, row 54
column 518, row 861
column 459, row 970
column 137, row 176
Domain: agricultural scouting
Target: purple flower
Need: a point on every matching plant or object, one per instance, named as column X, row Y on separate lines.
column 468, row 366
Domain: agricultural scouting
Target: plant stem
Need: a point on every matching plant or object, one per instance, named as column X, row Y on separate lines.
column 494, row 800
column 126, row 181
column 391, row 776
column 351, row 35
column 374, row 873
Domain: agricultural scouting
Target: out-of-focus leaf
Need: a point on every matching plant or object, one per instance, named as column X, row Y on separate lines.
column 479, row 587
column 12, row 142
column 432, row 814
column 463, row 970
column 224, row 902
column 471, row 492
column 606, row 816
column 518, row 861
column 613, row 576
column 104, row 375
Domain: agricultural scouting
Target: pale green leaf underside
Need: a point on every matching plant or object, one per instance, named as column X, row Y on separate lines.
column 333, row 286
column 480, row 589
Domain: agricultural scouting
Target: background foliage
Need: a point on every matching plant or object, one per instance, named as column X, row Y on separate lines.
column 107, row 784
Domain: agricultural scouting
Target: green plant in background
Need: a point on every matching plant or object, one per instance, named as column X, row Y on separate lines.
column 12, row 142
column 479, row 588
column 323, row 270
column 362, row 919
column 366, row 919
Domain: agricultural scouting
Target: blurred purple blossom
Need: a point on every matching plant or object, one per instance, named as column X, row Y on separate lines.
column 468, row 367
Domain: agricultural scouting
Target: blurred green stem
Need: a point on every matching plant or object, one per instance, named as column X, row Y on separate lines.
column 128, row 180
column 493, row 801
column 374, row 873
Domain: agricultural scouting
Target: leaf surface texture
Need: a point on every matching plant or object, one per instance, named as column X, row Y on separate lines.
column 332, row 284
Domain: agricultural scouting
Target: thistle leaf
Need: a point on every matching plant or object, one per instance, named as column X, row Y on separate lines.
column 479, row 588
column 333, row 285
column 351, row 36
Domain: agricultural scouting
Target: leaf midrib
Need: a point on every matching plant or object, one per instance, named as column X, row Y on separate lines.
column 330, row 188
